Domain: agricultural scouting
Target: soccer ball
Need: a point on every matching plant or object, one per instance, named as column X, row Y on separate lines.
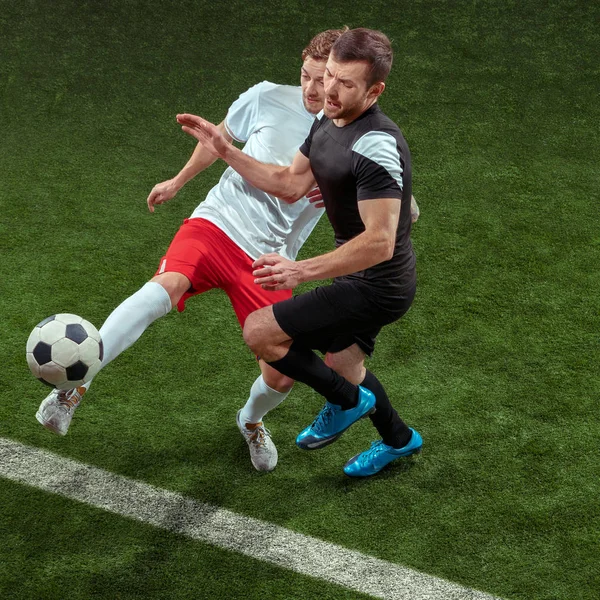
column 64, row 351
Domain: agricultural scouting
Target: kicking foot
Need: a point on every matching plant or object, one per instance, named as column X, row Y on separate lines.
column 56, row 411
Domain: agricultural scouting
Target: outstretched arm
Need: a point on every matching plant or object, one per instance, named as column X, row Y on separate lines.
column 288, row 183
column 200, row 160
column 373, row 246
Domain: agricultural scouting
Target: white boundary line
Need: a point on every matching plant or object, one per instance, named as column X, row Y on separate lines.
column 225, row 529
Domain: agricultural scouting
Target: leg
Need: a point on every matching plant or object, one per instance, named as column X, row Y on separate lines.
column 270, row 387
column 185, row 262
column 314, row 312
column 274, row 379
column 175, row 284
column 397, row 438
column 131, row 318
column 190, row 263
column 267, row 339
column 122, row 328
column 350, row 364
column 268, row 391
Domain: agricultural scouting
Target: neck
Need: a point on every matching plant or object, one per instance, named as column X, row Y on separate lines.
column 349, row 119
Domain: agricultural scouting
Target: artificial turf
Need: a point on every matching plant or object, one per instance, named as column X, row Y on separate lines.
column 496, row 364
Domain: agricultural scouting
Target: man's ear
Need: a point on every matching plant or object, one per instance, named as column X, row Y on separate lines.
column 376, row 90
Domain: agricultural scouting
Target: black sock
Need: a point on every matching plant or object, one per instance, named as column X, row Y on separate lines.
column 393, row 430
column 302, row 364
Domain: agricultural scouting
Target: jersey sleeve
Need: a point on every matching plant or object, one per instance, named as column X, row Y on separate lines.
column 377, row 166
column 305, row 148
column 242, row 117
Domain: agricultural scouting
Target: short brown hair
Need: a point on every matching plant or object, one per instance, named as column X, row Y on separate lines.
column 368, row 45
column 320, row 46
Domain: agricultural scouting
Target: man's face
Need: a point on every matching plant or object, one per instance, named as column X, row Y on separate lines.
column 346, row 92
column 311, row 79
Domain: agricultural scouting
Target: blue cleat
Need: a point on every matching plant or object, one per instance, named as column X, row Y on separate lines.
column 371, row 461
column 332, row 421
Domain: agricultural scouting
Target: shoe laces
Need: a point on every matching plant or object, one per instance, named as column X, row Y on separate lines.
column 69, row 399
column 259, row 436
column 323, row 418
column 376, row 448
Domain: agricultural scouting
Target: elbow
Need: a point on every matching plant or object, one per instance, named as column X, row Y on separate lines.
column 289, row 197
column 285, row 186
column 386, row 248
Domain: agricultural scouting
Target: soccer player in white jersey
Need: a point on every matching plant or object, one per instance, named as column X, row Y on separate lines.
column 216, row 246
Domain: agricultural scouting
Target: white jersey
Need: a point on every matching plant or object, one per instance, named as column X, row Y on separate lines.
column 272, row 122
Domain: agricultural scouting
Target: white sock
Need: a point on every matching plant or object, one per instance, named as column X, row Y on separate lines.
column 262, row 400
column 131, row 318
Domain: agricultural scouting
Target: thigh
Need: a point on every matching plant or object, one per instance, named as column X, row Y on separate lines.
column 245, row 295
column 330, row 318
column 191, row 254
column 209, row 258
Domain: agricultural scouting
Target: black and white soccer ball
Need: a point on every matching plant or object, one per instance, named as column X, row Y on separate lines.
column 64, row 351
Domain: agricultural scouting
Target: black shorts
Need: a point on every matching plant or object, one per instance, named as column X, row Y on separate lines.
column 334, row 317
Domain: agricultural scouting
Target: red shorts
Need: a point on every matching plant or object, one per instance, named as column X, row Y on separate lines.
column 210, row 259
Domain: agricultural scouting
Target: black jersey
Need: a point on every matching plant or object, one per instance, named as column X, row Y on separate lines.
column 366, row 159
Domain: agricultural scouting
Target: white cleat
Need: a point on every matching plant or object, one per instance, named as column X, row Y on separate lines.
column 263, row 452
column 56, row 411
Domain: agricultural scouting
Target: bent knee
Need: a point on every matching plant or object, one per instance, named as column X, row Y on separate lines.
column 278, row 381
column 252, row 333
column 175, row 284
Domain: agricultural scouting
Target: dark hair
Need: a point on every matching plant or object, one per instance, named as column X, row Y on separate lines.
column 367, row 45
column 320, row 46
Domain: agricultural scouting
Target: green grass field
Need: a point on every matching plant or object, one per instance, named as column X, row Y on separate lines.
column 496, row 364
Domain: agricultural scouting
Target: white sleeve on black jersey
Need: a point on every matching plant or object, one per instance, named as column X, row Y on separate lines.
column 377, row 165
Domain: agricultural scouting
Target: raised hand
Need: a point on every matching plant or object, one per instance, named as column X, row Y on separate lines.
column 206, row 133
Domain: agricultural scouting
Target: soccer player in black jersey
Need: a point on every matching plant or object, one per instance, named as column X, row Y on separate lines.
column 361, row 162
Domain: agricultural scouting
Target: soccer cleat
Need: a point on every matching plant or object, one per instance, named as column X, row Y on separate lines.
column 332, row 421
column 263, row 452
column 56, row 411
column 371, row 461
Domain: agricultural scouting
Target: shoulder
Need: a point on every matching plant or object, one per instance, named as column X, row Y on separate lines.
column 378, row 136
column 378, row 123
column 258, row 90
column 375, row 143
column 276, row 91
column 380, row 148
column 266, row 96
column 319, row 120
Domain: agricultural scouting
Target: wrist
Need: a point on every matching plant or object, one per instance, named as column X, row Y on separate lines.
column 229, row 153
column 177, row 182
column 303, row 271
